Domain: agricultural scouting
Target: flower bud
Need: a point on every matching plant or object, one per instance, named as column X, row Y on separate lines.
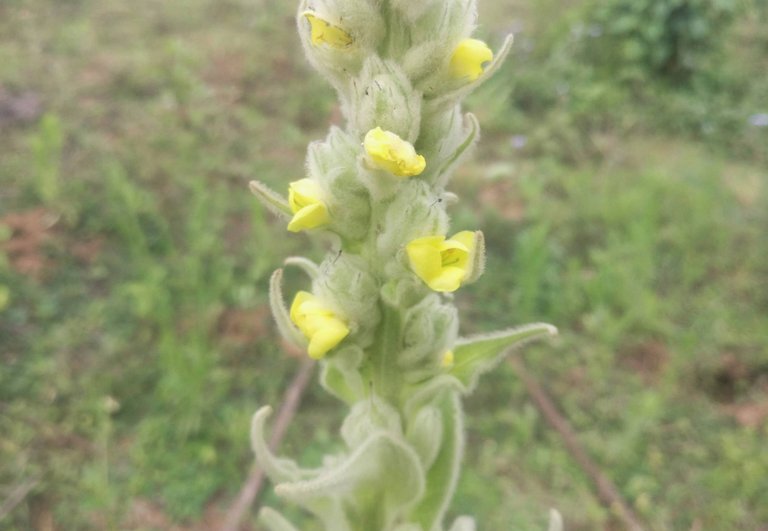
column 368, row 417
column 338, row 35
column 415, row 211
column 430, row 328
column 346, row 280
column 383, row 97
column 413, row 11
column 450, row 137
column 333, row 163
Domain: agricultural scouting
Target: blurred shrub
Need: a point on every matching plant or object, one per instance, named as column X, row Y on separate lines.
column 637, row 39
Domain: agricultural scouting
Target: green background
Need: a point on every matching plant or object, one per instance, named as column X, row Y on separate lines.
column 620, row 181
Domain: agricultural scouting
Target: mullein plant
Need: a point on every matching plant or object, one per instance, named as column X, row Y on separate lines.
column 379, row 314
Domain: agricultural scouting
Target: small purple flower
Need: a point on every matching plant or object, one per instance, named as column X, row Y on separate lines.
column 595, row 31
column 519, row 141
column 759, row 120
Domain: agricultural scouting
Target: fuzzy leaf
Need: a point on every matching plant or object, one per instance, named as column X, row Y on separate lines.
column 280, row 312
column 479, row 354
column 271, row 199
column 337, row 382
column 426, row 393
column 276, row 469
column 444, row 473
column 341, row 377
column 305, row 264
column 425, row 434
column 377, row 483
column 471, row 135
column 274, row 521
column 478, row 258
column 368, row 417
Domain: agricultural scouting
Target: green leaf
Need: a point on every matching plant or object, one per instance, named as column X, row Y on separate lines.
column 425, row 434
column 443, row 475
column 376, row 484
column 426, row 393
column 341, row 376
column 472, row 128
column 478, row 259
column 271, row 199
column 276, row 469
column 479, row 354
column 280, row 312
column 305, row 264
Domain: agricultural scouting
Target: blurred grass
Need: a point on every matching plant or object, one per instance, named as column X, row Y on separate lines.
column 134, row 338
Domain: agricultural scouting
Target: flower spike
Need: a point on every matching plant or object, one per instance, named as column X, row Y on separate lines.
column 376, row 317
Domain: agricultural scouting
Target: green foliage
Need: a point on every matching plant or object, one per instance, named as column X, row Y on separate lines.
column 640, row 39
column 47, row 146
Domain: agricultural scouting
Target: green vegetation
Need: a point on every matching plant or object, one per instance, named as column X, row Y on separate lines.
column 629, row 210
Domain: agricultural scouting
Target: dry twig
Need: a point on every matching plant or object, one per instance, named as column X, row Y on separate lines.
column 251, row 488
column 607, row 492
column 16, row 496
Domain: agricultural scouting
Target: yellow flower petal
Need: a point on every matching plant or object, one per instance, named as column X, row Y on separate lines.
column 309, row 217
column 466, row 238
column 296, row 312
column 303, row 192
column 389, row 152
column 323, row 32
column 442, row 264
column 327, row 337
column 320, row 325
column 468, row 59
column 424, row 256
column 448, row 360
column 309, row 210
column 448, row 280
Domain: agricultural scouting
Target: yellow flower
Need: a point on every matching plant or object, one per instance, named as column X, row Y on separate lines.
column 323, row 32
column 468, row 59
column 308, row 210
column 442, row 264
column 448, row 360
column 320, row 326
column 389, row 152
